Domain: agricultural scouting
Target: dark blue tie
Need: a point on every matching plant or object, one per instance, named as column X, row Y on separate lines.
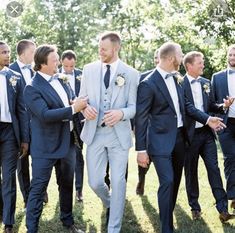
column 28, row 66
column 107, row 77
column 196, row 80
column 170, row 75
column 231, row 71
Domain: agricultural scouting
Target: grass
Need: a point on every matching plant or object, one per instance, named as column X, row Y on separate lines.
column 141, row 213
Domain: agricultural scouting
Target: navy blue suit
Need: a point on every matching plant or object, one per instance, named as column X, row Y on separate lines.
column 23, row 163
column 202, row 142
column 156, row 127
column 226, row 136
column 52, row 144
column 11, row 136
column 79, row 168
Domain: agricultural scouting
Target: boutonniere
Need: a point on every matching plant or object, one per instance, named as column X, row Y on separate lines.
column 120, row 80
column 79, row 77
column 64, row 78
column 206, row 88
column 179, row 78
column 13, row 81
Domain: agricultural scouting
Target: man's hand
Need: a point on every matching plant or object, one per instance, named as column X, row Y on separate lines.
column 112, row 117
column 216, row 123
column 143, row 159
column 24, row 147
column 79, row 104
column 228, row 101
column 90, row 113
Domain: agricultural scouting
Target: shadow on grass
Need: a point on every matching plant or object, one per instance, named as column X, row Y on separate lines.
column 18, row 220
column 54, row 225
column 186, row 224
column 151, row 213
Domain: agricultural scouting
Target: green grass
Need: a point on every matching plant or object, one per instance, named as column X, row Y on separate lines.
column 141, row 213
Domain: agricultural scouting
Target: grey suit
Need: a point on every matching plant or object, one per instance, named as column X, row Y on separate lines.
column 109, row 144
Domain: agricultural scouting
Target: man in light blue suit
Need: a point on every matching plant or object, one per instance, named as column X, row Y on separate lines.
column 14, row 133
column 110, row 86
column 223, row 87
column 48, row 99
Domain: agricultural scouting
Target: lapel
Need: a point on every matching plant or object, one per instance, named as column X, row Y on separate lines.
column 96, row 81
column 188, row 89
column 163, row 88
column 77, row 82
column 224, row 84
column 67, row 89
column 45, row 86
column 204, row 95
column 116, row 89
column 180, row 93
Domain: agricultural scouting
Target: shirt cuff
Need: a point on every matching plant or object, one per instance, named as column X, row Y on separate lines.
column 73, row 110
column 141, row 151
column 208, row 120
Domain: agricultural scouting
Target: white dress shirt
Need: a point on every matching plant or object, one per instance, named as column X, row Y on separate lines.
column 71, row 79
column 170, row 83
column 113, row 69
column 26, row 72
column 55, row 83
column 5, row 115
column 197, row 96
column 231, row 91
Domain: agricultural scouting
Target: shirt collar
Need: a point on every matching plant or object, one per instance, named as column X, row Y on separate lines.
column 21, row 64
column 45, row 76
column 63, row 71
column 162, row 72
column 113, row 66
column 190, row 78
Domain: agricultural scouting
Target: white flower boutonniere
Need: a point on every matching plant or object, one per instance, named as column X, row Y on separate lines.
column 120, row 80
column 206, row 88
column 64, row 78
column 79, row 77
column 179, row 78
column 13, row 82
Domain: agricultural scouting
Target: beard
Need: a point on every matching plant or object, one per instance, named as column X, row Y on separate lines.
column 231, row 63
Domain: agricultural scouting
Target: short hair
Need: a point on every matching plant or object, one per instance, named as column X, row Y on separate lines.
column 41, row 55
column 232, row 46
column 189, row 58
column 69, row 54
column 114, row 37
column 167, row 49
column 23, row 45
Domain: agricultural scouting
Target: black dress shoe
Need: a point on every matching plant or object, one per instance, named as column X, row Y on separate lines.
column 107, row 217
column 196, row 214
column 225, row 216
column 8, row 230
column 79, row 196
column 74, row 229
column 140, row 188
column 45, row 198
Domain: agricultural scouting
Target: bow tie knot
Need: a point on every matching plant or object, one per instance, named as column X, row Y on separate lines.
column 196, row 80
column 231, row 71
column 171, row 75
column 28, row 66
column 54, row 77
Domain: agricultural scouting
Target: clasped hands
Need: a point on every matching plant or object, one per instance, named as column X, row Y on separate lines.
column 79, row 103
column 111, row 117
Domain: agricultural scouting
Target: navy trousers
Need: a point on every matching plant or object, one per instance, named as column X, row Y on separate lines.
column 79, row 169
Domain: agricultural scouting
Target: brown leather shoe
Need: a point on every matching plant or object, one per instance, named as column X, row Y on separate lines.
column 8, row 230
column 45, row 198
column 225, row 216
column 196, row 214
column 74, row 229
column 140, row 188
column 79, row 196
column 232, row 205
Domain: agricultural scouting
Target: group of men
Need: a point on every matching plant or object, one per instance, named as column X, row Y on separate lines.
column 49, row 112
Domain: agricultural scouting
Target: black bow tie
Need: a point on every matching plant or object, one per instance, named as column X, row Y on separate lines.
column 171, row 75
column 231, row 71
column 196, row 80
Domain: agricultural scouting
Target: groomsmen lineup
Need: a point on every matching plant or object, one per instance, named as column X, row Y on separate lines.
column 47, row 112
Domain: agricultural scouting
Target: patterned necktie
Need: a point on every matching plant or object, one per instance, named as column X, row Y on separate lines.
column 231, row 71
column 107, row 77
column 28, row 66
column 196, row 80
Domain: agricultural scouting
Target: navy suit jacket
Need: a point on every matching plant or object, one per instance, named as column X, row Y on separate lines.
column 14, row 66
column 220, row 91
column 156, row 119
column 209, row 104
column 17, row 107
column 50, row 128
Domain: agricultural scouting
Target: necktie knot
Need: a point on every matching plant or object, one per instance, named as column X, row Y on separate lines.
column 107, row 77
column 231, row 71
column 196, row 80
column 28, row 66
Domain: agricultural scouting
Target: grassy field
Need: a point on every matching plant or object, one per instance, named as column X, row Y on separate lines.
column 141, row 213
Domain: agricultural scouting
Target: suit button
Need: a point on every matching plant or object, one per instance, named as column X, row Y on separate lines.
column 175, row 116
